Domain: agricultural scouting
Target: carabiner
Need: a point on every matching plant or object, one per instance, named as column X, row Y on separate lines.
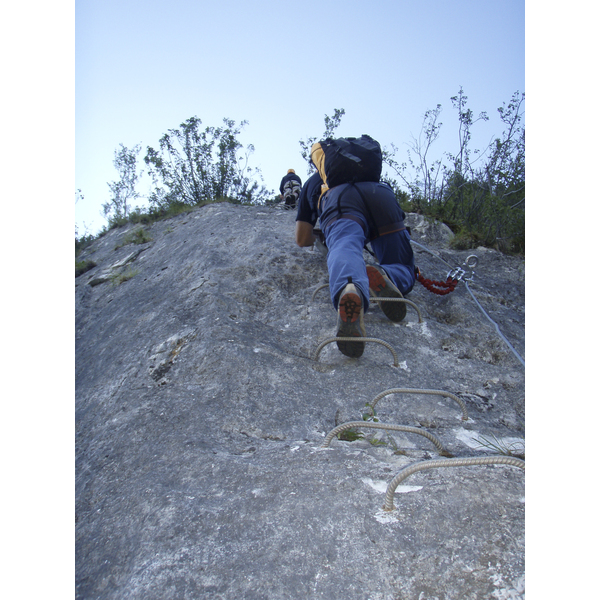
column 456, row 274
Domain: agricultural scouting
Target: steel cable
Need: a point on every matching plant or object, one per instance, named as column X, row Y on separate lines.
column 512, row 349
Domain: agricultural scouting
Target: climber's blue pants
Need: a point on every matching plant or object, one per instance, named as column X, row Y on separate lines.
column 345, row 240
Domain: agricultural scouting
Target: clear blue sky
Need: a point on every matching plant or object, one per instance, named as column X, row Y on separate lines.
column 143, row 67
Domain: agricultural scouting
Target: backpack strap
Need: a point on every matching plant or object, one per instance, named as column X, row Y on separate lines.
column 372, row 223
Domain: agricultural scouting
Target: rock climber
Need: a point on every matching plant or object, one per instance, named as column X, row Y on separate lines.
column 290, row 187
column 350, row 216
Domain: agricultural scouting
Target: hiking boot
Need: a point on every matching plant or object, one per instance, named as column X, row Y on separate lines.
column 381, row 286
column 350, row 321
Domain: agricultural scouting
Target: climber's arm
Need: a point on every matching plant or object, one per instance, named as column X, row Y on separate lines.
column 304, row 234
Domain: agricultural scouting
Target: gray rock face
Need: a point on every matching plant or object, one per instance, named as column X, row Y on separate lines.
column 201, row 411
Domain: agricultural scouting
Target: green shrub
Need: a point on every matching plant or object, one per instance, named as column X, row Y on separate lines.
column 350, row 435
column 119, row 278
column 137, row 236
column 479, row 195
column 83, row 266
column 196, row 166
column 81, row 243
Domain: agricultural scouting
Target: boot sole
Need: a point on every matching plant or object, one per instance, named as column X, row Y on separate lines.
column 378, row 284
column 349, row 325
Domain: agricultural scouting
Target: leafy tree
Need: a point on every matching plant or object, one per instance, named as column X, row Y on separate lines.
column 481, row 195
column 505, row 169
column 462, row 160
column 123, row 191
column 425, row 186
column 203, row 166
column 487, row 201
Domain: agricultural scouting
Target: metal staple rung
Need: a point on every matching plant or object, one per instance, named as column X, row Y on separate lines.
column 355, row 339
column 318, row 290
column 460, row 402
column 374, row 299
column 449, row 462
column 369, row 424
column 404, row 300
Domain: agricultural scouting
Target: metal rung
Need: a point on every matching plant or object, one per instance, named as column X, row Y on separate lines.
column 355, row 339
column 449, row 462
column 321, row 287
column 374, row 299
column 388, row 426
column 404, row 300
column 460, row 402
